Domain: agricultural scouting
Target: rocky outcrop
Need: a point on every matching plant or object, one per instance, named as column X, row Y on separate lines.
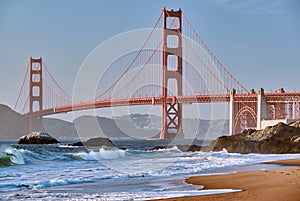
column 295, row 124
column 278, row 146
column 278, row 139
column 234, row 144
column 95, row 142
column 37, row 138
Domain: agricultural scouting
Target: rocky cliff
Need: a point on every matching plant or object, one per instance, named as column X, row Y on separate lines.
column 278, row 139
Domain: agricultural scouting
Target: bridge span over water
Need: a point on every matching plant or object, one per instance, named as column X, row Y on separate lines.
column 188, row 73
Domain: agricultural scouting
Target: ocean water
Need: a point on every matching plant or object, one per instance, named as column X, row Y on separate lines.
column 60, row 172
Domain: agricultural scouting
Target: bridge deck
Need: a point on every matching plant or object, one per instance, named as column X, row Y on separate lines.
column 272, row 97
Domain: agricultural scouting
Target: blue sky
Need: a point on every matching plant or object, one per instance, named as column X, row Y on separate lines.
column 257, row 40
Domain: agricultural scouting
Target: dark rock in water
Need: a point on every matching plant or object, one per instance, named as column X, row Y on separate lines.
column 278, row 139
column 78, row 144
column 37, row 138
column 99, row 142
column 159, row 147
column 192, row 148
column 95, row 142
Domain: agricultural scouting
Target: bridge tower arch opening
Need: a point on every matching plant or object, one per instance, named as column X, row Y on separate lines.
column 171, row 70
column 244, row 112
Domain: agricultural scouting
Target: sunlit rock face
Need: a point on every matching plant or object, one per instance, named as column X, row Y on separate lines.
column 37, row 138
column 278, row 139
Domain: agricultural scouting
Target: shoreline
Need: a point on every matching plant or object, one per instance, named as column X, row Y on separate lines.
column 273, row 185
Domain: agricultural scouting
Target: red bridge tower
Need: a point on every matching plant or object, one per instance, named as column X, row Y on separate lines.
column 172, row 70
column 36, row 94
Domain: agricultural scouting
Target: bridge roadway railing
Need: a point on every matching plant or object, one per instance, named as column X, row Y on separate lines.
column 132, row 102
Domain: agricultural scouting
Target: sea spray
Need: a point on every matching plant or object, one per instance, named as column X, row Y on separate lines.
column 103, row 153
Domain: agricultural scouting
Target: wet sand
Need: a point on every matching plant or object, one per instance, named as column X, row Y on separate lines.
column 267, row 185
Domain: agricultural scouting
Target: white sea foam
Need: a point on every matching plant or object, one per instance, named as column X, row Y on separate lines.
column 60, row 182
column 117, row 196
column 109, row 153
column 103, row 153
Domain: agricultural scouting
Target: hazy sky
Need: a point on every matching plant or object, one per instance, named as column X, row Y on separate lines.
column 257, row 40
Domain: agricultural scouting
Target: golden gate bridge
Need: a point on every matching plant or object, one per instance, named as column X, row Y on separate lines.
column 188, row 73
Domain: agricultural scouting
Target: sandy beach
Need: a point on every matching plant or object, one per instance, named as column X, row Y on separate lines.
column 268, row 185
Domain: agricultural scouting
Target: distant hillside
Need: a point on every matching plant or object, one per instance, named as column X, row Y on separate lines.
column 146, row 126
column 13, row 125
column 89, row 126
column 60, row 129
column 205, row 129
column 193, row 128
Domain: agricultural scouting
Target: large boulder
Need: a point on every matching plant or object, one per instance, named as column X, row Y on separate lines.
column 278, row 139
column 184, row 148
column 234, row 144
column 278, row 146
column 95, row 142
column 37, row 138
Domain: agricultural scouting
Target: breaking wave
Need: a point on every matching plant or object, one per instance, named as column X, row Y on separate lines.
column 109, row 154
column 10, row 156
